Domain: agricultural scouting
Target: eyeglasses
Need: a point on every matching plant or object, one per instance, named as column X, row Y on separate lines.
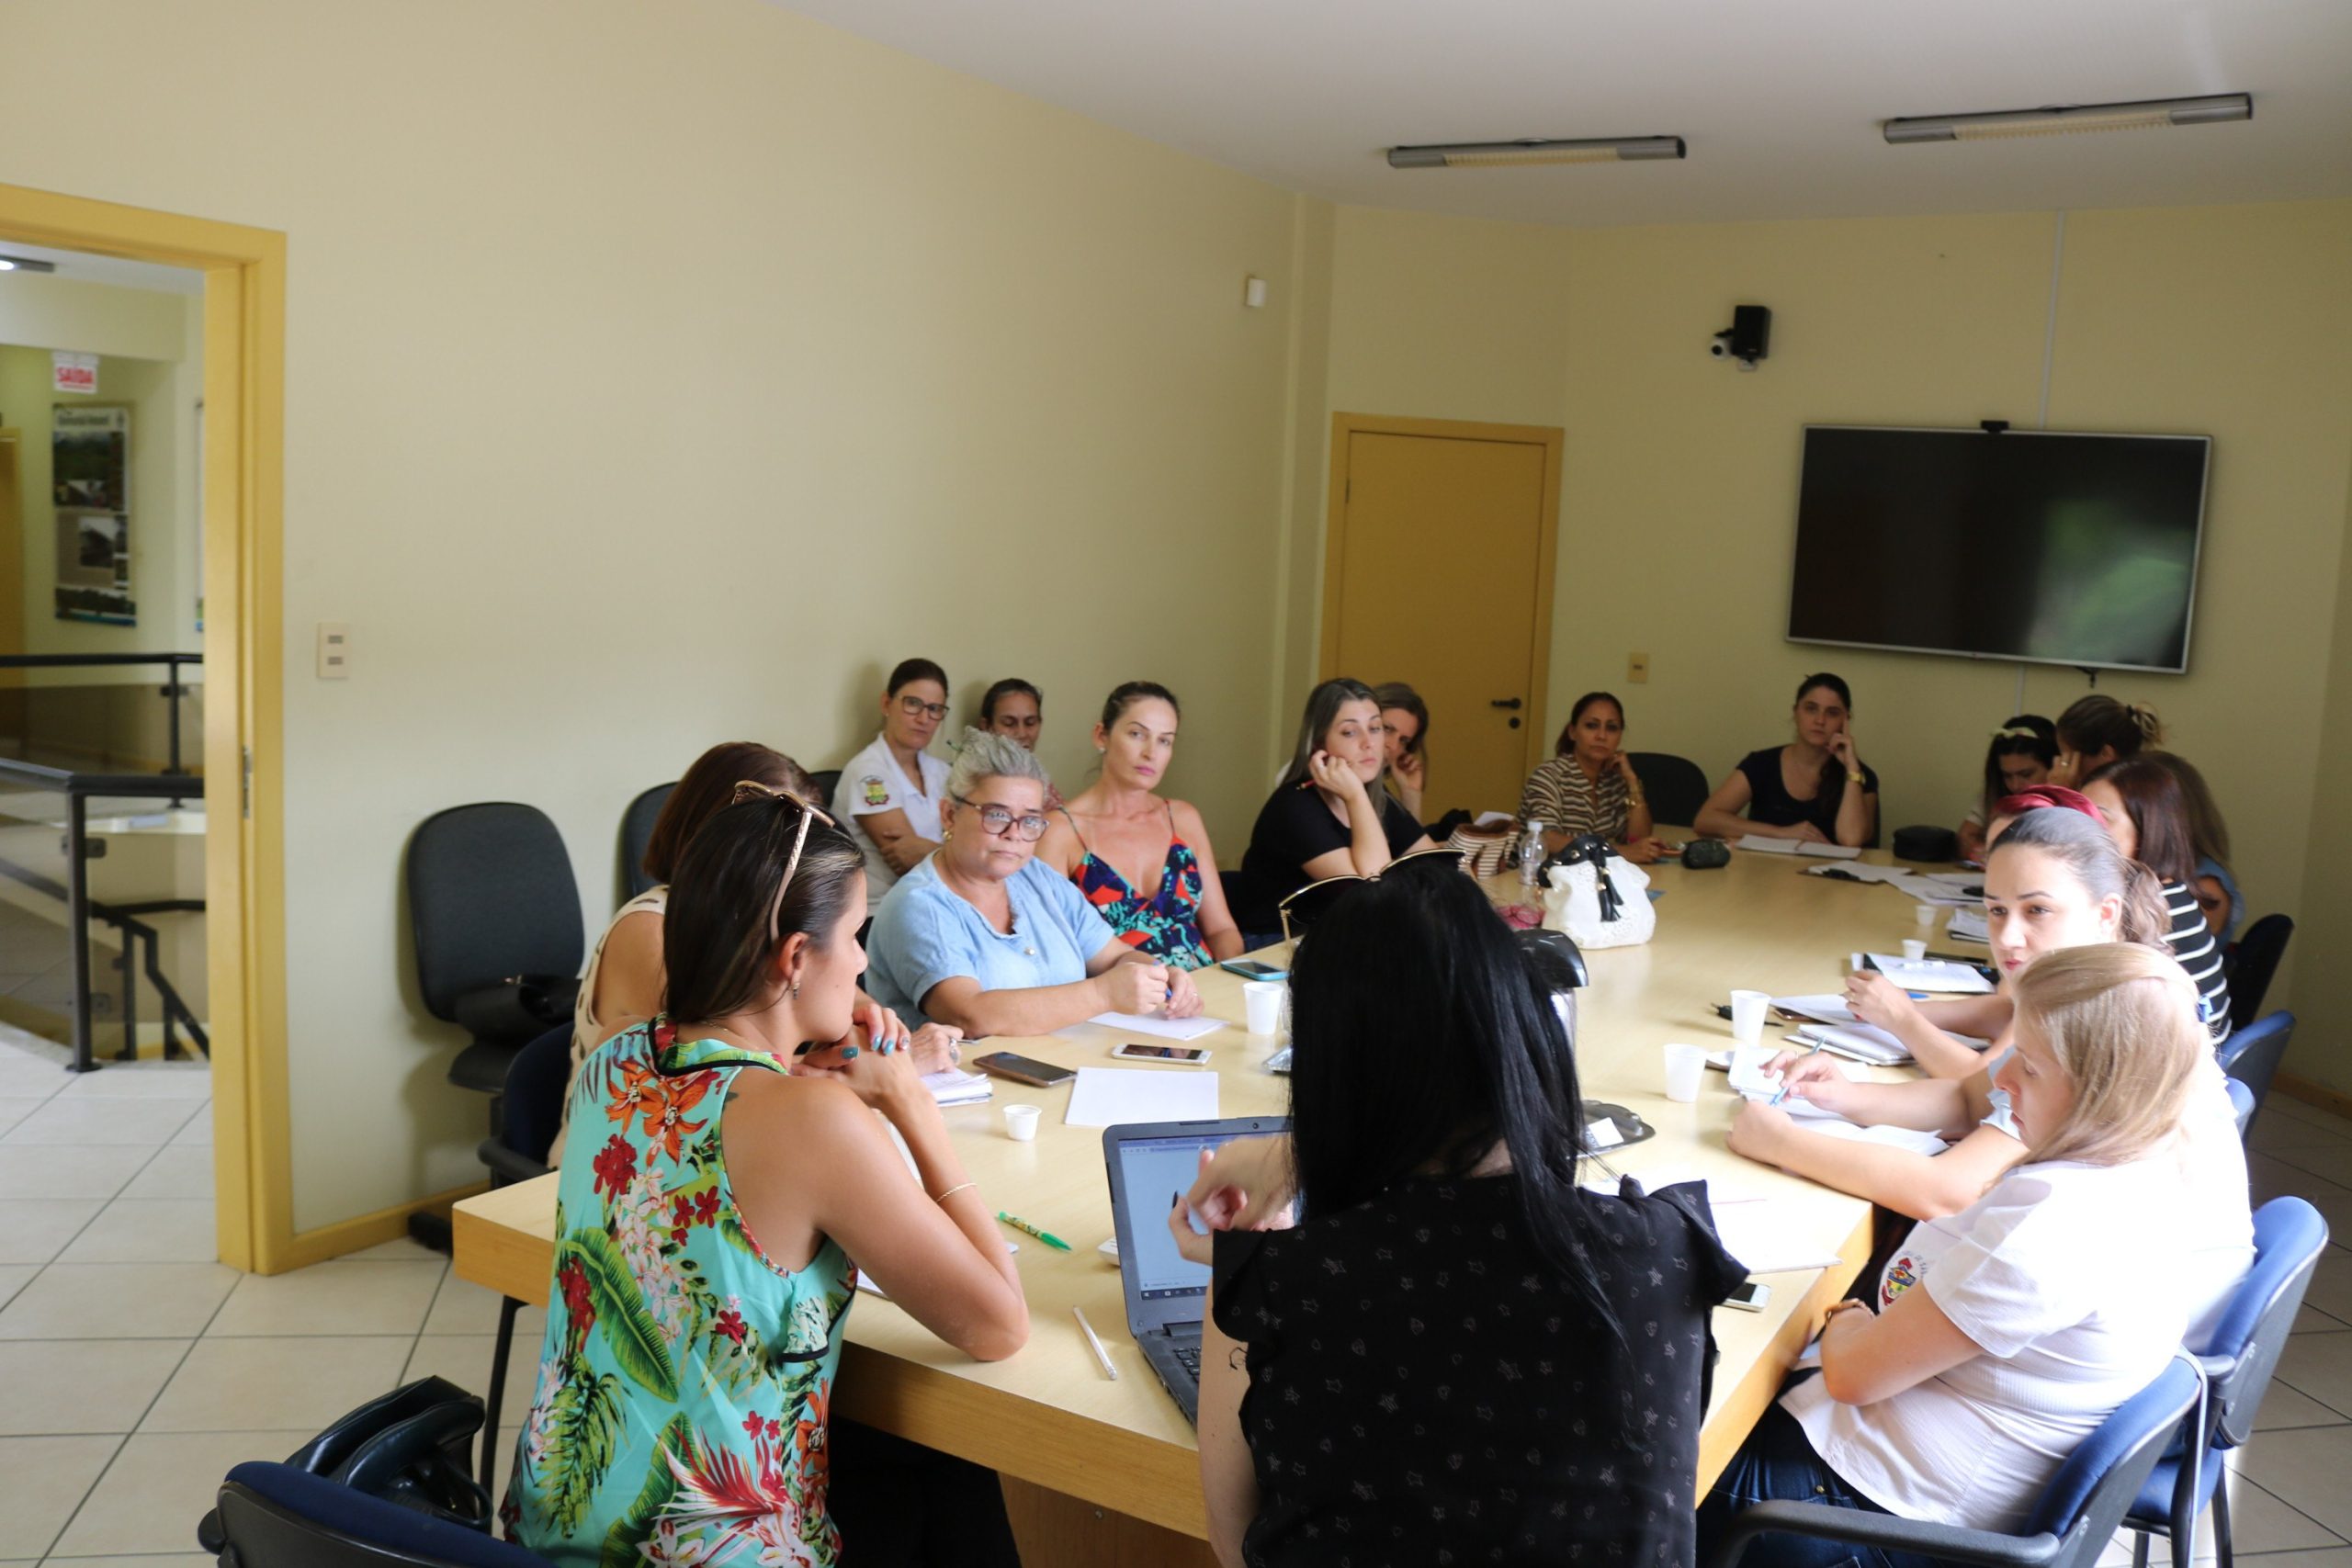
column 1304, row 907
column 915, row 707
column 999, row 822
column 749, row 789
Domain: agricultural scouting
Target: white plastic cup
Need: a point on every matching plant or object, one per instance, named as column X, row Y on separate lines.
column 1925, row 915
column 1747, row 1015
column 1021, row 1124
column 1914, row 949
column 1685, row 1066
column 1261, row 1005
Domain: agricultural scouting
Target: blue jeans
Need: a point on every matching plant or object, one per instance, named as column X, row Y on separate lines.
column 1777, row 1464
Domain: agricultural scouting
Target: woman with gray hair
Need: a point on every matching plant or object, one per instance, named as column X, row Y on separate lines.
column 983, row 937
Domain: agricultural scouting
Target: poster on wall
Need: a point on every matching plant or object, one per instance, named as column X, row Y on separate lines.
column 89, row 460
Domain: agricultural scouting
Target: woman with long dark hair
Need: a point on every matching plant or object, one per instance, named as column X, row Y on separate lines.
column 1459, row 1349
column 2147, row 814
column 708, row 1208
column 2021, row 756
column 1817, row 789
column 1328, row 817
column 1589, row 785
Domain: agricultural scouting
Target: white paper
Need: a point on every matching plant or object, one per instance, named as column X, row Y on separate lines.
column 1602, row 1134
column 1760, row 1234
column 1968, row 925
column 1862, row 1041
column 1931, row 975
column 1764, row 845
column 950, row 1086
column 1166, row 1028
column 1112, row 1096
column 1493, row 819
column 1909, row 1138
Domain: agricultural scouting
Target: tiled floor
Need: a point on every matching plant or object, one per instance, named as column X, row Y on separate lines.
column 134, row 1370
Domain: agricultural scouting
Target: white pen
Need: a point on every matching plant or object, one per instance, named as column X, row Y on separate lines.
column 1100, row 1354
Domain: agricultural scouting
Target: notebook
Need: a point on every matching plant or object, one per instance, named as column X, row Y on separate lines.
column 1763, row 845
column 952, row 1087
column 1166, row 1294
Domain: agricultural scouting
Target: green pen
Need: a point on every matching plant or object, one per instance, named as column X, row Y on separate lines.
column 1048, row 1237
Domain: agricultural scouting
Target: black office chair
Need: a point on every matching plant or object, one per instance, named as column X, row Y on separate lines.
column 533, row 1106
column 637, row 830
column 826, row 781
column 2252, row 960
column 2252, row 1055
column 273, row 1515
column 1673, row 784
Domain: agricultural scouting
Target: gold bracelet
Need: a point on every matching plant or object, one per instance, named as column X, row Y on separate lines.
column 1853, row 777
column 953, row 1191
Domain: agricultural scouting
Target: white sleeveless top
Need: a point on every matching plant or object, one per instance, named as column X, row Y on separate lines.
column 587, row 1031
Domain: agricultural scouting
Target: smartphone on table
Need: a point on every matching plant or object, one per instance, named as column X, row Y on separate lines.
column 1135, row 1051
column 1023, row 1069
column 1251, row 969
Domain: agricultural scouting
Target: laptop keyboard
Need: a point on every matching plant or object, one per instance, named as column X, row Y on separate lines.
column 1188, row 1358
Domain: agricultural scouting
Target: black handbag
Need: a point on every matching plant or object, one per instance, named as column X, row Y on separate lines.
column 518, row 1009
column 1705, row 854
column 412, row 1447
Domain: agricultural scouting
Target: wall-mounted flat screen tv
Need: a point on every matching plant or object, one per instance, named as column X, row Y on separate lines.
column 2048, row 546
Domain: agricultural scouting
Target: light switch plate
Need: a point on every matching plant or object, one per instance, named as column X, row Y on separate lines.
column 1637, row 668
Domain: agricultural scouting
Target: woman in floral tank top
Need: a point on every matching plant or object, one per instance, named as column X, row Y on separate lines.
column 1171, row 903
column 715, row 1186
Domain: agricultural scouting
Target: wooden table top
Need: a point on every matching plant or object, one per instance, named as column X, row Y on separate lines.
column 1049, row 1416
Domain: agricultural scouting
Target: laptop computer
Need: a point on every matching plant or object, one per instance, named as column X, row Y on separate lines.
column 1150, row 1162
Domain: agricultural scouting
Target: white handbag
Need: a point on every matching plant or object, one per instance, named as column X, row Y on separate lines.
column 1573, row 902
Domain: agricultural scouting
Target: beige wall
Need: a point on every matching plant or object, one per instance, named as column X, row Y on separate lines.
column 1678, row 508
column 2321, row 996
column 659, row 376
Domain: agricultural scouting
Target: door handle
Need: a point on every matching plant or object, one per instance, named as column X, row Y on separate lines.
column 1510, row 702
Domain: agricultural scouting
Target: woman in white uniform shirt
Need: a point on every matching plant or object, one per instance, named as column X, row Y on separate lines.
column 889, row 795
column 2005, row 1333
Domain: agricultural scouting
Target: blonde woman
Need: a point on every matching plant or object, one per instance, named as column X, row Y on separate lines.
column 2005, row 1333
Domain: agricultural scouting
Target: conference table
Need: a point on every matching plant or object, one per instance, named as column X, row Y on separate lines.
column 1097, row 1470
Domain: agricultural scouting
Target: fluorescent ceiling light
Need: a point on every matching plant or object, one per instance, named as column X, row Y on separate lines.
column 25, row 264
column 2141, row 116
column 1512, row 154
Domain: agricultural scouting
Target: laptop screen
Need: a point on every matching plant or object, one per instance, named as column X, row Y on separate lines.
column 1154, row 1172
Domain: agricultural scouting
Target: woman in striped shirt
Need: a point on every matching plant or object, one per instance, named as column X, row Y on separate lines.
column 2149, row 822
column 1590, row 786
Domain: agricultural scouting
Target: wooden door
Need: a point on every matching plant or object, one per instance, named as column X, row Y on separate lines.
column 1438, row 575
column 12, row 586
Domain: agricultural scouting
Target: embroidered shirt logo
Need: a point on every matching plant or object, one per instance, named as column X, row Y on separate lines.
column 877, row 792
column 1900, row 1276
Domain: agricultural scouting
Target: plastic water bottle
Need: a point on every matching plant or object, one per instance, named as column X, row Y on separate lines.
column 1531, row 850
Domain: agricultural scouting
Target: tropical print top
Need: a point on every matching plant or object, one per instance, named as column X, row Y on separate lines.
column 1167, row 924
column 680, row 1416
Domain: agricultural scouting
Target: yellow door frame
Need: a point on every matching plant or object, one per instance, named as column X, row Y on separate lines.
column 1553, row 439
column 245, row 882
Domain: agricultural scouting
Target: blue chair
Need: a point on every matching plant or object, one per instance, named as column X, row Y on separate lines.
column 637, row 831
column 2070, row 1525
column 2240, row 1102
column 273, row 1515
column 2252, row 1055
column 535, row 1082
column 2239, row 1356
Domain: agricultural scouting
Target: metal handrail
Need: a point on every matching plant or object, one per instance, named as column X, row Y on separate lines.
column 174, row 687
column 78, row 788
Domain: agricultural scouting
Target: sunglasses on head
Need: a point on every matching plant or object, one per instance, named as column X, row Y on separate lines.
column 749, row 789
column 1303, row 909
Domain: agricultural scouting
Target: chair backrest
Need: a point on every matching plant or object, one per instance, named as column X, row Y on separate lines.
column 275, row 1516
column 533, row 1107
column 2289, row 1236
column 1673, row 784
column 2241, row 1105
column 489, row 895
column 826, row 781
column 637, row 831
column 2252, row 1055
column 2253, row 962
column 2095, row 1488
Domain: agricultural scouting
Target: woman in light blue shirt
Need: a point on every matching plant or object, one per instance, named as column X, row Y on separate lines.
column 982, row 936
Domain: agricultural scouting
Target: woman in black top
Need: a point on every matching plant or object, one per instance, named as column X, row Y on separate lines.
column 2147, row 816
column 1459, row 1354
column 1328, row 817
column 1817, row 789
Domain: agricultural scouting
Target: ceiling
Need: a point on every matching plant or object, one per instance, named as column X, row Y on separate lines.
column 1780, row 100
column 87, row 269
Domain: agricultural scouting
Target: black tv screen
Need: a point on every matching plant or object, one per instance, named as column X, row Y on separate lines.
column 2046, row 547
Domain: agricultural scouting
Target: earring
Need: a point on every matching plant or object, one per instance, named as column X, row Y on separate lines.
column 795, row 990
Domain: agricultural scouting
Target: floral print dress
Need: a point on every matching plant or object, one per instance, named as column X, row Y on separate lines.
column 1166, row 922
column 680, row 1416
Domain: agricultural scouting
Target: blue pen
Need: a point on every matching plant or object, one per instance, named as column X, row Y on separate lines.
column 1783, row 1093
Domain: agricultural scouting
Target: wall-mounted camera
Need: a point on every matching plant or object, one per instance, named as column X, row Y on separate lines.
column 1748, row 339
